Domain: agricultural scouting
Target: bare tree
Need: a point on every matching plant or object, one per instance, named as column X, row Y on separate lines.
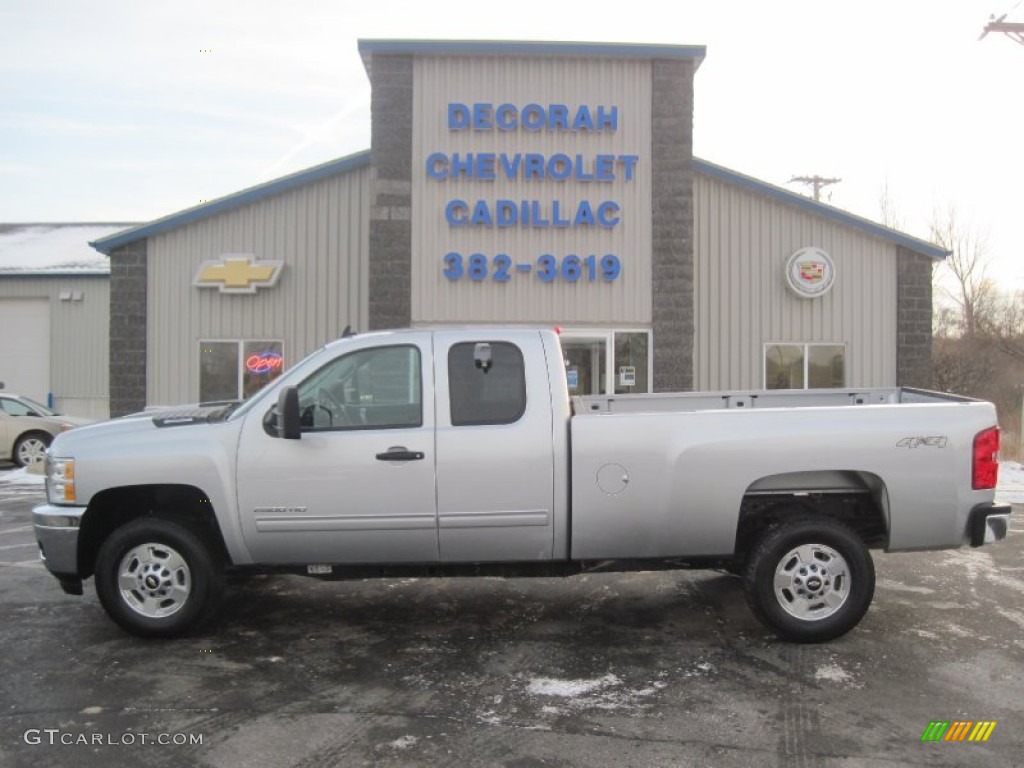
column 1003, row 323
column 887, row 208
column 963, row 278
column 978, row 342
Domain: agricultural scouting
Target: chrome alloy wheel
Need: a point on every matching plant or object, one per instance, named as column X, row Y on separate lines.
column 31, row 450
column 812, row 582
column 154, row 580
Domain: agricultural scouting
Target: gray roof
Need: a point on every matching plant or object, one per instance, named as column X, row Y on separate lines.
column 53, row 249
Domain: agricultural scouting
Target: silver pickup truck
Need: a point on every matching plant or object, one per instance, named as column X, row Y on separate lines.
column 460, row 452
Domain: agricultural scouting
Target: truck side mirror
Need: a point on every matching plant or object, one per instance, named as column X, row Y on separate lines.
column 288, row 425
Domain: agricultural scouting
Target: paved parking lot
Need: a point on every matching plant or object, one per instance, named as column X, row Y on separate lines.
column 664, row 669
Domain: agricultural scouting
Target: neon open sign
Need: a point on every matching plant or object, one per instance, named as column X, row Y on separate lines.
column 263, row 363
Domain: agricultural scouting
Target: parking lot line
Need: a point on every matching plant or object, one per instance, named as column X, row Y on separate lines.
column 23, row 564
column 16, row 546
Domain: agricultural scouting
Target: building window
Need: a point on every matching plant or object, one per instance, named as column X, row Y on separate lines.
column 631, row 362
column 804, row 366
column 376, row 388
column 587, row 355
column 480, row 394
column 235, row 370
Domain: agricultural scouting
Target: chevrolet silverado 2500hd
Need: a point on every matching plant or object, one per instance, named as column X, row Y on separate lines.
column 460, row 452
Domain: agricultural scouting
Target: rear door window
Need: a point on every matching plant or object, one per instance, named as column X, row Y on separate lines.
column 486, row 393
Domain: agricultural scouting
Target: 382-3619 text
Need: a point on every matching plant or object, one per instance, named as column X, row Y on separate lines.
column 547, row 268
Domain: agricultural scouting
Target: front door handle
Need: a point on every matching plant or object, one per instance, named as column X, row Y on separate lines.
column 400, row 453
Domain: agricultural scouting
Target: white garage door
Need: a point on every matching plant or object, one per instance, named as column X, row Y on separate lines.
column 25, row 347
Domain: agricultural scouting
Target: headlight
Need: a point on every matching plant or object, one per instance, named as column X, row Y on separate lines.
column 60, row 480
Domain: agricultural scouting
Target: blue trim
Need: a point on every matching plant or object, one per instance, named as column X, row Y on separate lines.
column 236, row 200
column 532, row 48
column 785, row 196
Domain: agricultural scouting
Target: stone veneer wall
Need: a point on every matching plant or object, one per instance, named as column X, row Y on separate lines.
column 390, row 300
column 913, row 319
column 128, row 280
column 672, row 227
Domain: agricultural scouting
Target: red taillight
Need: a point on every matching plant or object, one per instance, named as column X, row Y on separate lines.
column 985, row 467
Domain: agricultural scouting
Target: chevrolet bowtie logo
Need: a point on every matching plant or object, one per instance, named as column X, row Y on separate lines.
column 238, row 273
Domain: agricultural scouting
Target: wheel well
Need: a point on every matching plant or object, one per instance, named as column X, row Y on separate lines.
column 854, row 498
column 30, row 432
column 110, row 509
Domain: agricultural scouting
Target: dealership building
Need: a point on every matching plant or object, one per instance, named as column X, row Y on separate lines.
column 549, row 184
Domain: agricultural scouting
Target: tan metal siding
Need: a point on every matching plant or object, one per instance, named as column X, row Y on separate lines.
column 79, row 339
column 525, row 298
column 318, row 230
column 742, row 302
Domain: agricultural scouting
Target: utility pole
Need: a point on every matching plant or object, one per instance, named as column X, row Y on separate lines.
column 815, row 182
column 1013, row 30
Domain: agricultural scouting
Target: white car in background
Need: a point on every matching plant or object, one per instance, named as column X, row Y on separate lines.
column 27, row 428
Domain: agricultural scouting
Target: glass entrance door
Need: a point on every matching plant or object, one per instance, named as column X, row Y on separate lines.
column 586, row 364
column 607, row 362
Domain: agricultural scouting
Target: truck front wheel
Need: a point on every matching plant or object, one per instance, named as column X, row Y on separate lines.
column 157, row 578
column 810, row 580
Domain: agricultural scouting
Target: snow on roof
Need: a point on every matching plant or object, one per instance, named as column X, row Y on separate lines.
column 53, row 249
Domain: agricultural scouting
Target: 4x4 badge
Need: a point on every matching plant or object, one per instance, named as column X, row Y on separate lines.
column 935, row 441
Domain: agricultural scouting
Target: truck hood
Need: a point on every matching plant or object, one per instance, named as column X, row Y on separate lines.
column 129, row 428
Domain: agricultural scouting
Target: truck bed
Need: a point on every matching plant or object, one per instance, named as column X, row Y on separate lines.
column 778, row 398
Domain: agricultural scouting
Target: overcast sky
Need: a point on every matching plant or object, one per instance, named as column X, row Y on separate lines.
column 122, row 110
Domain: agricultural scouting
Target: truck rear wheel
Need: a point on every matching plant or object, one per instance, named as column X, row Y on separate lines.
column 157, row 578
column 810, row 580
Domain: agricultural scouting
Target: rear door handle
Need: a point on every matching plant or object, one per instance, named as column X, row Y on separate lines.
column 400, row 453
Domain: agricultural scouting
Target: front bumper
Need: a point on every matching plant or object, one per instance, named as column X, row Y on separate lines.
column 988, row 522
column 57, row 535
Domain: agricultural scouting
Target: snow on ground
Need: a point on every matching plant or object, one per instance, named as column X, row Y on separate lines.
column 832, row 673
column 610, row 692
column 1011, row 482
column 546, row 686
column 21, row 476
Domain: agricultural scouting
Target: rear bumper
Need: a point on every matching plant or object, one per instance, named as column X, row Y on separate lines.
column 988, row 522
column 56, row 531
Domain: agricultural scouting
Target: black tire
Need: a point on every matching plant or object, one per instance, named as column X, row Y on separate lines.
column 29, row 444
column 735, row 568
column 172, row 580
column 826, row 580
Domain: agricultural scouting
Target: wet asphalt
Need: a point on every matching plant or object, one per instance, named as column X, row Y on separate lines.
column 661, row 669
